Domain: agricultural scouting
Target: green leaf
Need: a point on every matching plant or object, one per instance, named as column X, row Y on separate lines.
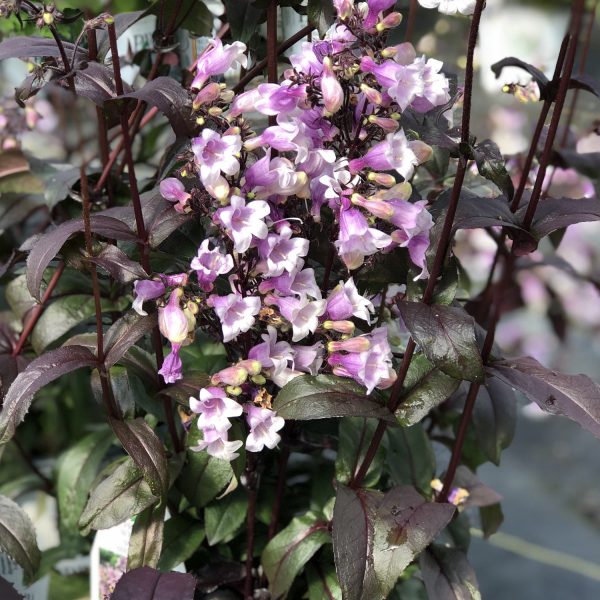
column 17, row 537
column 78, row 469
column 146, row 539
column 310, row 397
column 64, row 314
column 119, row 496
column 355, row 438
column 286, row 554
column 495, row 418
column 448, row 575
column 203, row 478
column 182, row 537
column 223, row 518
column 427, row 387
column 243, row 18
column 323, row 583
column 447, row 337
column 410, row 457
column 146, row 449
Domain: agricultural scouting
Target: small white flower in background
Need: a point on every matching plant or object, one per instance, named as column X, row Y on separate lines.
column 450, row 7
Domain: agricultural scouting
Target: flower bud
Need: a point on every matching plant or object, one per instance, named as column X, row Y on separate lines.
column 172, row 321
column 356, row 344
column 345, row 327
column 233, row 390
column 179, row 279
column 206, row 95
column 388, row 125
column 259, row 379
column 252, row 366
column 344, row 8
column 378, row 208
column 333, row 94
column 215, row 111
column 389, row 22
column 373, row 96
column 234, row 375
column 384, row 179
column 48, row 18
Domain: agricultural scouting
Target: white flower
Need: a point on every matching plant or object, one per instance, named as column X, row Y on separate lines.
column 450, row 7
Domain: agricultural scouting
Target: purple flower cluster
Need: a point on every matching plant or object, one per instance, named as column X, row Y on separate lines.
column 335, row 159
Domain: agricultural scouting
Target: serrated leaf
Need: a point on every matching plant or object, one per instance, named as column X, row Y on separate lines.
column 286, row 554
column 48, row 245
column 182, row 537
column 147, row 451
column 148, row 584
column 17, row 537
column 38, row 373
column 447, row 337
column 310, row 397
column 448, row 575
column 146, row 539
column 124, row 333
column 78, row 469
column 119, row 496
column 574, row 396
column 410, row 457
column 223, row 518
column 426, row 387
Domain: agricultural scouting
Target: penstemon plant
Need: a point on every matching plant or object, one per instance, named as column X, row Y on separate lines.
column 273, row 324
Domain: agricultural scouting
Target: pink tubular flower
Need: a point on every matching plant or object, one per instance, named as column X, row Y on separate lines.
column 243, row 221
column 333, row 94
column 215, row 409
column 216, row 444
column 172, row 321
column 396, row 153
column 300, row 282
column 300, row 312
column 275, row 357
column 357, row 240
column 308, row 359
column 270, row 99
column 172, row 365
column 235, row 313
column 277, row 177
column 209, row 264
column 371, row 368
column 172, row 189
column 344, row 301
column 280, row 253
column 435, row 86
column 146, row 289
column 217, row 60
column 375, row 8
column 215, row 154
column 264, row 425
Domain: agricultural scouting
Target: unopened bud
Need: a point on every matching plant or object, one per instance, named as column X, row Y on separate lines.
column 345, row 327
column 215, row 111
column 390, row 21
column 384, row 179
column 356, row 344
column 206, row 95
column 48, row 18
column 377, row 208
column 252, row 366
column 259, row 379
column 388, row 125
column 235, row 376
column 233, row 390
column 333, row 94
column 373, row 96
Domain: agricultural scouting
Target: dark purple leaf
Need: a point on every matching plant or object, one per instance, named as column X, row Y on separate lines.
column 96, row 83
column 556, row 213
column 475, row 212
column 448, row 575
column 149, row 584
column 287, row 553
column 354, row 515
column 385, row 535
column 17, row 537
column 164, row 224
column 47, row 246
column 147, row 451
column 123, row 21
column 495, row 418
column 124, row 333
column 146, row 539
column 586, row 163
column 172, row 99
column 39, row 373
column 574, row 396
column 32, row 46
column 118, row 265
column 446, row 336
column 492, row 166
column 8, row 592
column 310, row 397
column 586, row 83
column 491, row 518
column 539, row 77
column 479, row 494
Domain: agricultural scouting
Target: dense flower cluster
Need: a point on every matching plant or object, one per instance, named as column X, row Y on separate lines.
column 334, row 162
